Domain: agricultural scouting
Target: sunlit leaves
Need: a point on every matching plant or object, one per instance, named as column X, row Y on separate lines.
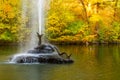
column 66, row 20
column 91, row 21
column 11, row 21
column 6, row 8
column 58, row 17
column 74, row 27
column 95, row 18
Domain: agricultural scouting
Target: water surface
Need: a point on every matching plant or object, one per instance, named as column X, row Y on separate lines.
column 91, row 63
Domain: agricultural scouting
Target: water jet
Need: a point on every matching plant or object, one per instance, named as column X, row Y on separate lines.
column 44, row 52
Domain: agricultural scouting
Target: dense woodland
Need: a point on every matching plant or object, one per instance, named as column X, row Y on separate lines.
column 12, row 23
column 66, row 21
column 84, row 21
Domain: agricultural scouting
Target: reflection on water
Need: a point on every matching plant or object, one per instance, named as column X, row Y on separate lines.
column 91, row 63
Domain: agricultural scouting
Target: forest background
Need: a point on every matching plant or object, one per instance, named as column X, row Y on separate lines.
column 66, row 21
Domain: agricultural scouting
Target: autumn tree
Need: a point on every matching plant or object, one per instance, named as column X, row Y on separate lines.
column 11, row 19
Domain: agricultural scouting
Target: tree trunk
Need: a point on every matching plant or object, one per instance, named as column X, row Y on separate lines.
column 86, row 16
column 115, row 8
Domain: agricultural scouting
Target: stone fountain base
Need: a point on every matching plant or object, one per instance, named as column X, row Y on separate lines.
column 42, row 59
column 43, row 53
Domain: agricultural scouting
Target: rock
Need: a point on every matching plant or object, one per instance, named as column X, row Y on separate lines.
column 45, row 53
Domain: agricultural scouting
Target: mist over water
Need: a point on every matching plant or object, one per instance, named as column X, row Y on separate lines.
column 34, row 11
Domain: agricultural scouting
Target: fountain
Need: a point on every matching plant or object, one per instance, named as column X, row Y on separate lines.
column 44, row 52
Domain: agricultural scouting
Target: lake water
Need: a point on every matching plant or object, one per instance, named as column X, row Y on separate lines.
column 91, row 63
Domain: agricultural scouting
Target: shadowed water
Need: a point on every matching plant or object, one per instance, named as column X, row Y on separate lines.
column 91, row 63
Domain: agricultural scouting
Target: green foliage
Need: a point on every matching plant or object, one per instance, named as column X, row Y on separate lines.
column 109, row 34
column 66, row 21
column 58, row 17
column 75, row 26
column 6, row 36
column 12, row 22
column 116, row 27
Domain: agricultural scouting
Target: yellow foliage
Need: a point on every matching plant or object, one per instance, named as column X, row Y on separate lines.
column 89, row 38
column 11, row 21
column 53, row 29
column 95, row 18
column 106, row 15
column 6, row 8
column 60, row 14
column 11, row 15
column 97, row 1
column 14, row 2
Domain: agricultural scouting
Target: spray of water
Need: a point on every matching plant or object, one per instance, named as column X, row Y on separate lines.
column 34, row 10
column 23, row 16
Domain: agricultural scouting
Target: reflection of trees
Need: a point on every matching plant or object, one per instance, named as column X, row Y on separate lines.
column 27, row 72
column 116, row 54
column 108, row 54
column 93, row 61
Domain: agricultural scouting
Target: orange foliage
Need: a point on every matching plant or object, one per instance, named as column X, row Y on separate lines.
column 6, row 7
